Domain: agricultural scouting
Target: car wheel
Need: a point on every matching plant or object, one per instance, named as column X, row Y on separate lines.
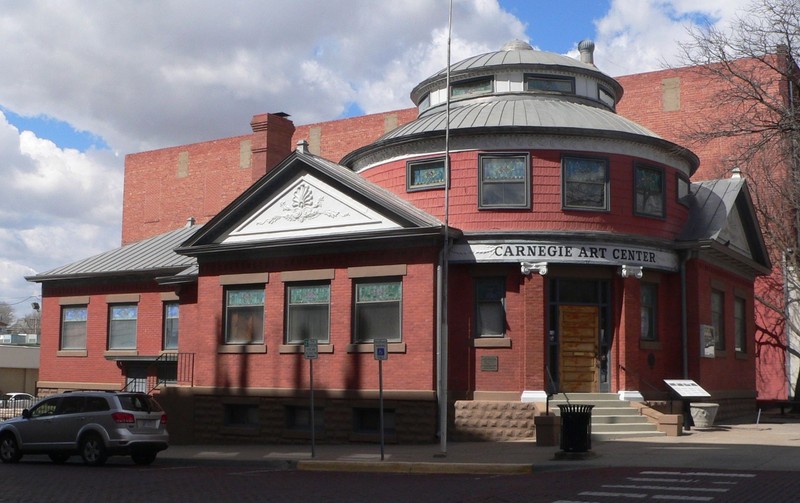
column 9, row 450
column 93, row 450
column 58, row 458
column 144, row 458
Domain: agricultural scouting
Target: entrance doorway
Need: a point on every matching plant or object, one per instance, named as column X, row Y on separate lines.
column 579, row 340
column 578, row 329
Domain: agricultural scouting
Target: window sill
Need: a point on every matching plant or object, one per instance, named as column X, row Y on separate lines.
column 121, row 352
column 241, row 348
column 493, row 342
column 368, row 347
column 292, row 349
column 73, row 353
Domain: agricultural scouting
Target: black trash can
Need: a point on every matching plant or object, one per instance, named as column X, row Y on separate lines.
column 576, row 427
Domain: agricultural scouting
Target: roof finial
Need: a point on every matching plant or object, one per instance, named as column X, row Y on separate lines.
column 302, row 147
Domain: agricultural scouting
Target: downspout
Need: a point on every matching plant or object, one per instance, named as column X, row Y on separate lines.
column 684, row 321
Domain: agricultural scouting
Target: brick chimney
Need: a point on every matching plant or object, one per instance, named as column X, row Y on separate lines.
column 272, row 141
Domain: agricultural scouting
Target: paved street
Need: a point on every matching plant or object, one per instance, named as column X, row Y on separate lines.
column 741, row 462
column 177, row 480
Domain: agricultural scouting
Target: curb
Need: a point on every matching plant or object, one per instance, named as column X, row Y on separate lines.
column 415, row 467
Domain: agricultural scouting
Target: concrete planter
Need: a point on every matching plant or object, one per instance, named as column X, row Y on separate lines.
column 703, row 414
column 548, row 430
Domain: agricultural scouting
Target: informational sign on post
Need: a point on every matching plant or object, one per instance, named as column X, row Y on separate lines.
column 381, row 354
column 686, row 388
column 310, row 353
column 310, row 349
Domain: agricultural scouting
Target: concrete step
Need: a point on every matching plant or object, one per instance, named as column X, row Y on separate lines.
column 622, row 427
column 619, row 419
column 621, row 435
column 611, row 417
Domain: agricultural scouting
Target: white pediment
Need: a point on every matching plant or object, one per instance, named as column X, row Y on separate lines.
column 307, row 207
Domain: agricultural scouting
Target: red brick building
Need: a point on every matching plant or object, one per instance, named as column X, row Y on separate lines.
column 560, row 247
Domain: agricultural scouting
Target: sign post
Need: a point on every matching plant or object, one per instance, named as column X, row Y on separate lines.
column 381, row 353
column 310, row 353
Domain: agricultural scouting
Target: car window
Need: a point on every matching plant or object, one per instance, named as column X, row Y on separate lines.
column 96, row 404
column 45, row 408
column 70, row 405
column 139, row 403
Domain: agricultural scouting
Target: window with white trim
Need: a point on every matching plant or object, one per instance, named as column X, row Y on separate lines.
column 490, row 309
column 244, row 315
column 378, row 310
column 73, row 327
column 122, row 321
column 308, row 309
column 171, row 311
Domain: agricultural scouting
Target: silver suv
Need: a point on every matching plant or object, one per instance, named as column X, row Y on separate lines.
column 93, row 424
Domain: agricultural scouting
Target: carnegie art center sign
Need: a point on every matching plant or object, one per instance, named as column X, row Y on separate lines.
column 569, row 253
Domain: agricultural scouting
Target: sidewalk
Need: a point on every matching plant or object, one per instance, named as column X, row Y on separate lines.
column 773, row 444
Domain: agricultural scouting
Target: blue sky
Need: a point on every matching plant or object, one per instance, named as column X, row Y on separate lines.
column 82, row 87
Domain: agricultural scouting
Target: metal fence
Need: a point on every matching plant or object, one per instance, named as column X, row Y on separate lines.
column 14, row 408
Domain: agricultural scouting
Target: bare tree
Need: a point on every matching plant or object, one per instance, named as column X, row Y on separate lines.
column 6, row 315
column 752, row 71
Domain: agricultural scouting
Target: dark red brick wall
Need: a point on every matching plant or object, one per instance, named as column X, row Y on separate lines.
column 546, row 209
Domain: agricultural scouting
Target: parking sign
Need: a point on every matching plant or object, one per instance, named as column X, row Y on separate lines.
column 381, row 349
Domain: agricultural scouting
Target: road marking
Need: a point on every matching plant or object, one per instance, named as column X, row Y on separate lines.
column 668, row 488
column 216, row 454
column 661, row 479
column 701, row 474
column 613, row 495
column 681, row 498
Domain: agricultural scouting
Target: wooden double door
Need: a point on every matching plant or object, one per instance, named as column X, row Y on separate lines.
column 578, row 327
column 579, row 341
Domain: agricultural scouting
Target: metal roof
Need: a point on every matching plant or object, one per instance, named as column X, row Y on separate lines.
column 515, row 55
column 152, row 255
column 520, row 111
column 710, row 203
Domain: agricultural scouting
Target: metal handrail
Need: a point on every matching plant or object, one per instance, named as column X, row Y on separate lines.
column 552, row 389
column 184, row 371
column 641, row 379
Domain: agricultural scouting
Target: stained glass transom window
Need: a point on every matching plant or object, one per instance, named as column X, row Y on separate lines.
column 504, row 181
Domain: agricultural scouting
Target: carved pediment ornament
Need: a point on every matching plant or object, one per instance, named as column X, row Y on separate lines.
column 304, row 206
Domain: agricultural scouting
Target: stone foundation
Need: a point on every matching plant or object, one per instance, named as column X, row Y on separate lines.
column 481, row 420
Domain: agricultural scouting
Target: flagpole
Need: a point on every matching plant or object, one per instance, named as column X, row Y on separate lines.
column 442, row 392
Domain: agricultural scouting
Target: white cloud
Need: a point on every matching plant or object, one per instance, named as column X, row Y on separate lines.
column 643, row 35
column 58, row 206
